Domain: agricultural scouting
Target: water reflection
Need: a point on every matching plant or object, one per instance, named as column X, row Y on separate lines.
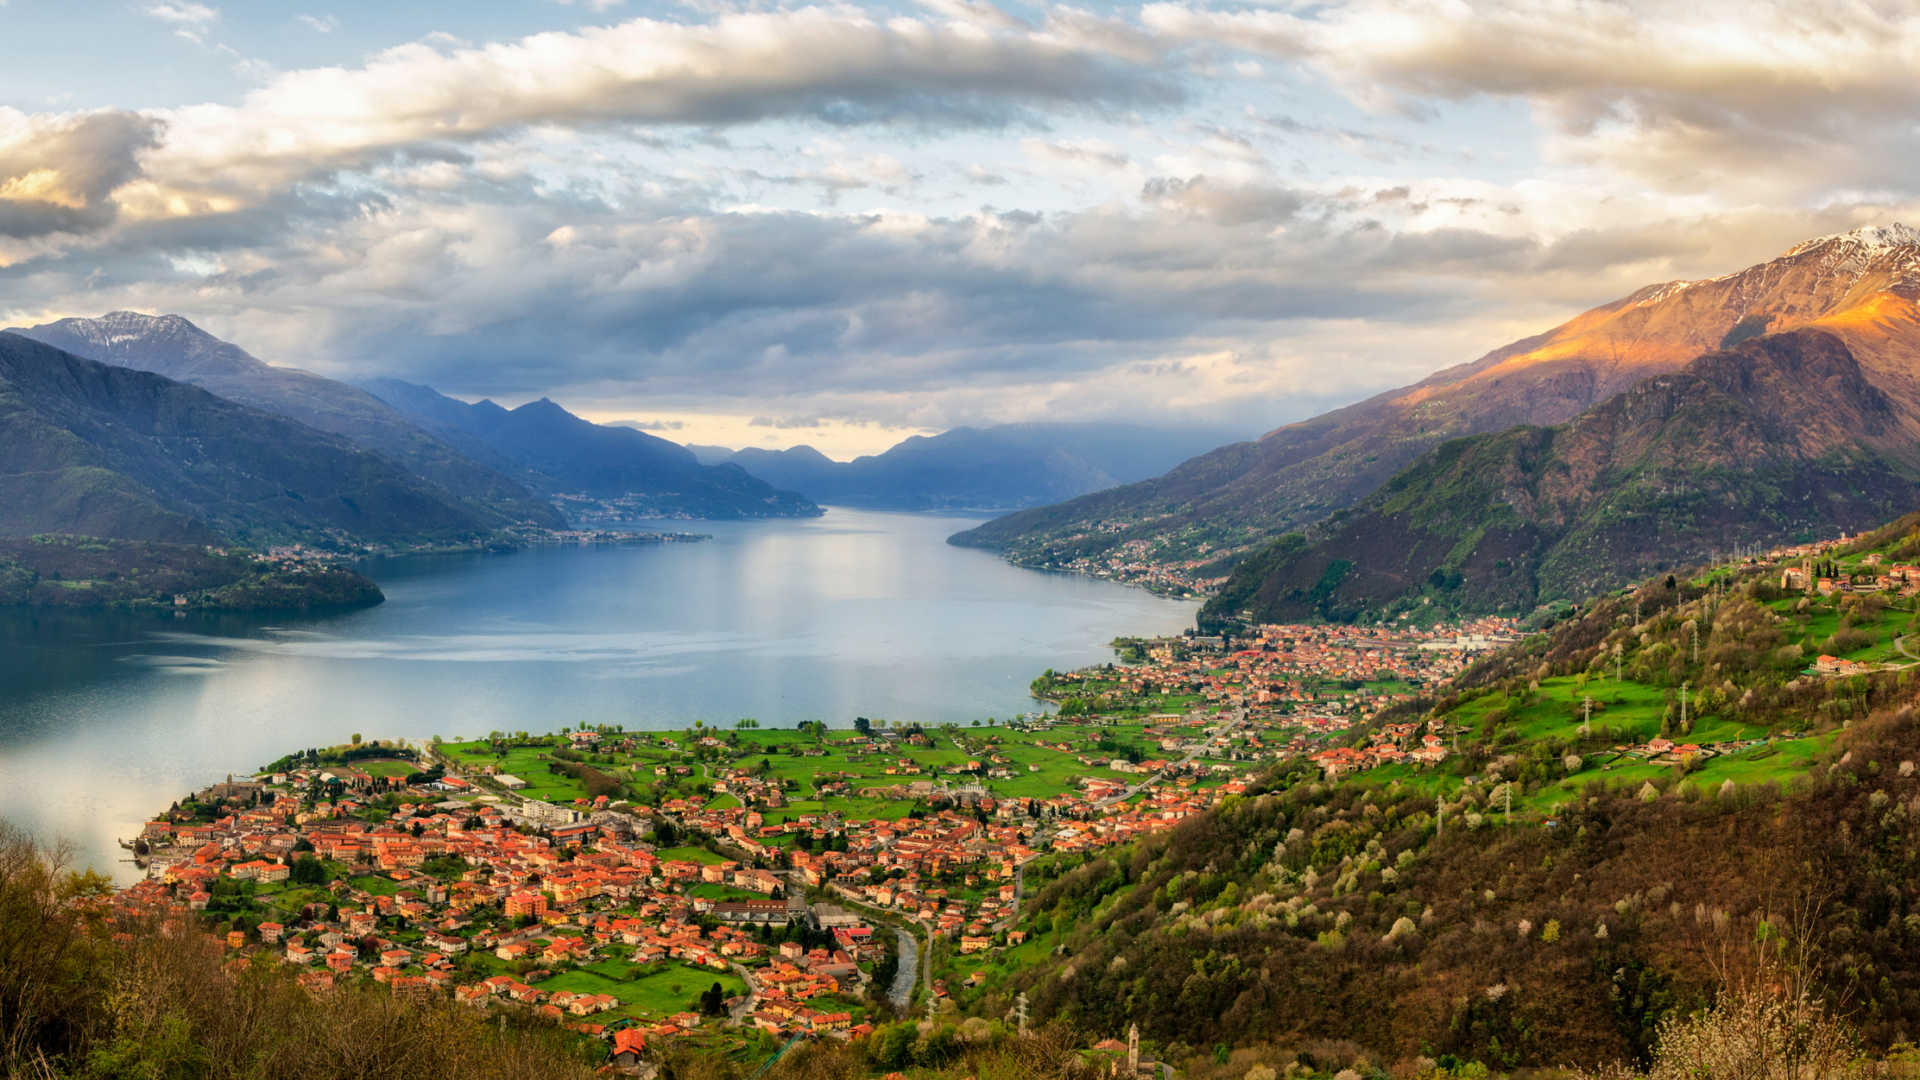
column 105, row 720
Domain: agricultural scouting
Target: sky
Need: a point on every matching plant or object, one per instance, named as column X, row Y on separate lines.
column 766, row 224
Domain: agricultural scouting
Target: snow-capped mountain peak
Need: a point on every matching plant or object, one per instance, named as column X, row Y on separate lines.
column 1870, row 241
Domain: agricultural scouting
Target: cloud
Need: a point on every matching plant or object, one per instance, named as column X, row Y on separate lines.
column 319, row 24
column 816, row 214
column 834, row 66
column 58, row 174
column 188, row 20
column 1231, row 204
column 1775, row 97
column 183, row 14
column 1083, row 153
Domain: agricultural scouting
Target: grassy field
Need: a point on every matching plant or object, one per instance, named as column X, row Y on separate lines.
column 1036, row 766
column 645, row 993
column 713, row 890
column 1625, row 713
column 375, row 885
column 689, row 854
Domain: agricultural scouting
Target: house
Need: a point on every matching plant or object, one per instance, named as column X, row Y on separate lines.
column 629, row 1046
column 526, row 902
column 750, row 910
column 1834, row 665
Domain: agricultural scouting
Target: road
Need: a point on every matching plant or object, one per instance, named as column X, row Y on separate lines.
column 740, row 1012
column 1239, row 718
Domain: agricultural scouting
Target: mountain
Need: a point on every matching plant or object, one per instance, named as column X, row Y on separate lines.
column 98, row 450
column 1777, row 437
column 1861, row 285
column 174, row 347
column 993, row 467
column 710, row 455
column 558, row 453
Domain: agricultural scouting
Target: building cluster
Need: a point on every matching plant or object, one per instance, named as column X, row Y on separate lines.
column 1901, row 579
column 454, row 897
column 1392, row 744
column 500, row 901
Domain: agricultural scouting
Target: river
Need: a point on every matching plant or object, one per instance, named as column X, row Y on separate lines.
column 105, row 720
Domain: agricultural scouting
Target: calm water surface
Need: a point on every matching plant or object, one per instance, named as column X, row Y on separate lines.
column 106, row 720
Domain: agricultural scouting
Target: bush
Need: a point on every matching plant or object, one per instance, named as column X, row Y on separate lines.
column 1750, row 1033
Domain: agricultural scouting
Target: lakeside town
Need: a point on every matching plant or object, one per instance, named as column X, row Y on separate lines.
column 719, row 883
column 745, row 887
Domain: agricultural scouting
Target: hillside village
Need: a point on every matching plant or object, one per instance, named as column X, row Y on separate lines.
column 711, row 884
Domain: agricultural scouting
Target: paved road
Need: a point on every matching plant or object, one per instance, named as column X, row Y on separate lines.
column 740, row 1012
column 1229, row 728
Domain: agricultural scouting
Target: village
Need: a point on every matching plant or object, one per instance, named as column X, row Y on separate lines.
column 403, row 866
column 714, row 883
column 744, row 883
column 1300, row 687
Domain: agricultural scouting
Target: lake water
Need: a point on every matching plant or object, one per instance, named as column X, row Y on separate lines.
column 104, row 721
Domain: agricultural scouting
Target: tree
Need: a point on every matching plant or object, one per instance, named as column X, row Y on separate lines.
column 356, row 738
column 308, row 870
column 1750, row 1032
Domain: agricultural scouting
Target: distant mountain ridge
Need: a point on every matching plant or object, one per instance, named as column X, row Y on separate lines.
column 558, row 453
column 172, row 346
column 99, row 450
column 996, row 467
column 1861, row 286
column 1779, row 435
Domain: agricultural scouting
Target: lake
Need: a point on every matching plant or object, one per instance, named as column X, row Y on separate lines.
column 105, row 720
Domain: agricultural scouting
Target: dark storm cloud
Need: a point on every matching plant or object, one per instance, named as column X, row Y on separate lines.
column 58, row 174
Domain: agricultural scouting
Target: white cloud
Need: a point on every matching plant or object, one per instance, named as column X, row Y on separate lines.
column 1774, row 98
column 831, row 65
column 319, row 24
column 189, row 21
column 183, row 14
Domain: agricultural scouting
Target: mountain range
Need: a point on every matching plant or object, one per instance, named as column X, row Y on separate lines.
column 1858, row 288
column 558, row 453
column 174, row 347
column 966, row 468
column 1779, row 436
column 93, row 449
column 258, row 453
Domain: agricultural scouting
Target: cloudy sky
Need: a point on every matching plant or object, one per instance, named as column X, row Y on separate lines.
column 759, row 223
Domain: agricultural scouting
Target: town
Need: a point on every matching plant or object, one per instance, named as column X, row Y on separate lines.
column 746, row 884
column 713, row 883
